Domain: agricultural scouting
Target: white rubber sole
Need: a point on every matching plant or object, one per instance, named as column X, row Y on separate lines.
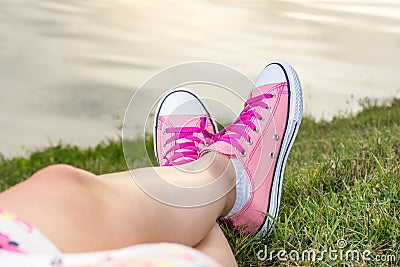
column 159, row 108
column 292, row 127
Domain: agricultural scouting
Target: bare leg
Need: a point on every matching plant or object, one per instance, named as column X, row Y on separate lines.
column 81, row 212
column 217, row 247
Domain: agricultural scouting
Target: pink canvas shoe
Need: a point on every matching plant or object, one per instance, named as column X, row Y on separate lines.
column 258, row 143
column 182, row 126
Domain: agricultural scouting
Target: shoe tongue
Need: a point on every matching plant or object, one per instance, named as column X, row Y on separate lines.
column 220, row 147
column 259, row 91
column 182, row 120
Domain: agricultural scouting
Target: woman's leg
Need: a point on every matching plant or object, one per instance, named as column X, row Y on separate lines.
column 217, row 247
column 80, row 212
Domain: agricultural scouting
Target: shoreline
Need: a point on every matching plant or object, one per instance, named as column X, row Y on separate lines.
column 25, row 151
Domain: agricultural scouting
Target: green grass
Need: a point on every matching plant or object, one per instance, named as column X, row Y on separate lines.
column 342, row 182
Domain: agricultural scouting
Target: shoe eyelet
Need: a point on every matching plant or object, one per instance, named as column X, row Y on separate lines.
column 250, row 142
column 255, row 130
column 163, row 131
column 204, row 143
column 262, row 119
column 273, row 95
column 271, row 154
column 268, row 107
column 276, row 137
column 243, row 154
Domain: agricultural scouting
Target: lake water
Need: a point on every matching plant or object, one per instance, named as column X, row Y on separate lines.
column 69, row 68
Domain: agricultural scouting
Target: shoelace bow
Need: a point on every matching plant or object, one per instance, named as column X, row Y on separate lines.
column 232, row 133
column 188, row 149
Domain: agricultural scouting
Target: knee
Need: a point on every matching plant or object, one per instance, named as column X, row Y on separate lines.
column 57, row 170
column 60, row 172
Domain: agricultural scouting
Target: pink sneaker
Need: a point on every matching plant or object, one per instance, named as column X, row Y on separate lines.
column 258, row 143
column 182, row 126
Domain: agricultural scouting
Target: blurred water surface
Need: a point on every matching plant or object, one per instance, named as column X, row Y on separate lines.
column 69, row 68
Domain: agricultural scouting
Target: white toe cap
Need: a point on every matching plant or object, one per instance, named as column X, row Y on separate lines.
column 273, row 73
column 181, row 102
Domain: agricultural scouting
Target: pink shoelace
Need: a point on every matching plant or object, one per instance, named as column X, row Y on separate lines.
column 187, row 150
column 232, row 133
